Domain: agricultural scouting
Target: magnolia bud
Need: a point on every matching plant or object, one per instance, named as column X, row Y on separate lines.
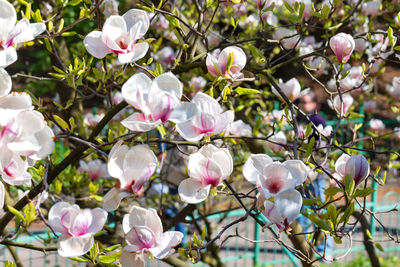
column 342, row 45
column 358, row 168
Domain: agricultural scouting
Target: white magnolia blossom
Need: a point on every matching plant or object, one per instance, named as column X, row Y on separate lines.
column 109, row 7
column 210, row 119
column 24, row 138
column 345, row 104
column 76, row 226
column 291, row 89
column 158, row 101
column 285, row 208
column 239, row 128
column 119, row 36
column 198, row 83
column 288, row 38
column 356, row 166
column 219, row 66
column 5, row 82
column 376, row 124
column 13, row 33
column 132, row 167
column 165, row 56
column 276, row 140
column 272, row 177
column 96, row 169
column 342, row 44
column 91, row 119
column 207, row 168
column 144, row 234
column 371, row 8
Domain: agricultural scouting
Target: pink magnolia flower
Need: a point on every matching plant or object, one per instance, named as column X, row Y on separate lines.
column 336, row 104
column 144, row 234
column 219, row 66
column 288, row 38
column 209, row 120
column 285, row 208
column 269, row 18
column 371, row 8
column 165, row 56
column 239, row 128
column 271, row 177
column 342, row 45
column 119, row 36
column 109, row 7
column 76, row 226
column 91, row 119
column 356, row 166
column 198, row 83
column 376, row 124
column 132, row 167
column 13, row 33
column 276, row 139
column 360, row 45
column 158, row 101
column 207, row 168
column 394, row 88
column 370, row 106
column 319, row 65
column 95, row 168
column 291, row 88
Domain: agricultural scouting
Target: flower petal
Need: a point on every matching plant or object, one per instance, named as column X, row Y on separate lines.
column 134, row 16
column 137, row 52
column 5, row 82
column 95, row 45
column 138, row 123
column 99, row 219
column 165, row 246
column 129, row 259
column 191, row 191
column 8, row 56
column 254, row 166
column 75, row 246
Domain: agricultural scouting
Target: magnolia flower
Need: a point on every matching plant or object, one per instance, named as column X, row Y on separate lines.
column 207, row 168
column 239, row 128
column 371, row 8
column 144, row 234
column 2, row 196
column 91, row 119
column 288, row 38
column 13, row 34
column 285, row 208
column 109, row 7
column 76, row 226
column 5, row 82
column 360, row 45
column 219, row 66
column 276, row 139
column 337, row 103
column 198, row 83
column 394, row 88
column 370, row 106
column 209, row 120
column 95, row 168
column 269, row 18
column 132, row 167
column 119, row 36
column 291, row 88
column 319, row 65
column 271, row 177
column 342, row 45
column 165, row 56
column 376, row 124
column 159, row 101
column 356, row 166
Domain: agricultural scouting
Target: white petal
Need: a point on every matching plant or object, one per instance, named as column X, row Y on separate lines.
column 5, row 82
column 24, row 31
column 135, row 217
column 116, row 160
column 254, row 167
column 99, row 219
column 298, row 169
column 188, row 131
column 16, row 101
column 169, row 83
column 223, row 120
column 191, row 191
column 206, row 103
column 2, row 195
column 138, row 123
column 135, row 90
column 112, row 199
column 75, row 246
column 184, row 112
column 153, row 222
column 340, row 165
column 138, row 51
column 8, row 16
column 114, row 27
column 95, row 45
column 169, row 240
column 55, row 214
column 134, row 16
column 288, row 204
column 8, row 56
column 130, row 259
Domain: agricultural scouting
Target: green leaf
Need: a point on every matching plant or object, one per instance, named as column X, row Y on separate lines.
column 246, row 91
column 331, row 191
column 289, row 7
column 78, row 259
column 16, row 213
column 364, row 192
column 310, row 147
column 390, row 36
column 111, row 248
column 308, row 130
column 61, row 122
column 379, row 246
column 107, row 259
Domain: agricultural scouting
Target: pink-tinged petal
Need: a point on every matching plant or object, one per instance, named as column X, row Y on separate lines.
column 137, row 122
column 340, row 165
column 95, row 46
column 5, row 82
column 162, row 104
column 116, row 160
column 8, row 56
column 224, row 160
column 239, row 59
column 165, row 246
column 75, row 246
column 191, row 191
column 153, row 222
column 276, row 179
column 24, row 31
column 298, row 170
column 169, row 83
column 358, row 168
column 212, row 65
column 99, row 219
column 254, row 167
column 223, row 120
column 137, row 52
column 81, row 223
column 342, row 45
column 130, row 259
column 204, row 123
column 137, row 16
column 184, row 112
column 135, row 91
column 135, row 217
column 271, row 212
column 2, row 195
column 14, row 169
column 141, row 237
column 55, row 214
column 113, row 29
column 16, row 101
column 112, row 199
column 188, row 131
